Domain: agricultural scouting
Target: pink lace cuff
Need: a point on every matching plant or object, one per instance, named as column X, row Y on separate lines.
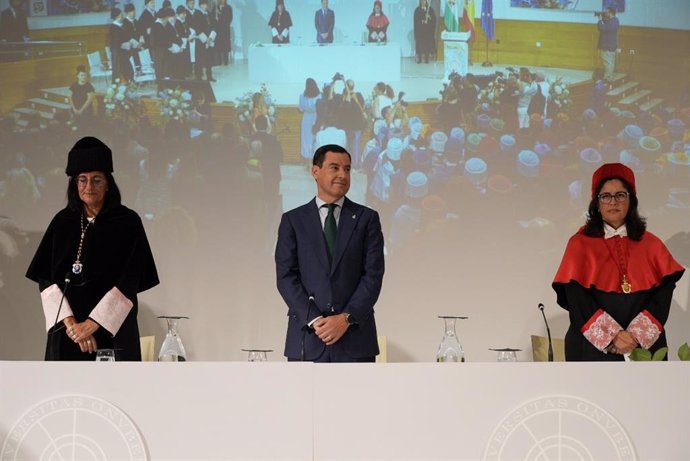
column 50, row 298
column 601, row 329
column 645, row 328
column 111, row 310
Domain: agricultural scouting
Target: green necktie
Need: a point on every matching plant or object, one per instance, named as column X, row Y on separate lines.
column 330, row 229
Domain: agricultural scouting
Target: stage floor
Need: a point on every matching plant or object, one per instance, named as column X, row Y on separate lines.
column 420, row 82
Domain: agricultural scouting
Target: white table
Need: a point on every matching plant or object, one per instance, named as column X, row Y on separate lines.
column 274, row 410
column 269, row 63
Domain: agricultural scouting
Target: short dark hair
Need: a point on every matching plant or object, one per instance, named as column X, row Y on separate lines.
column 112, row 195
column 115, row 12
column 320, row 154
column 81, row 68
column 635, row 225
column 129, row 7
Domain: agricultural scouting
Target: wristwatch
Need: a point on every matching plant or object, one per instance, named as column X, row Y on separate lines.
column 350, row 319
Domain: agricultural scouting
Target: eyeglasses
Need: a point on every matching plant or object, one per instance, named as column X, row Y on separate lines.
column 618, row 196
column 97, row 181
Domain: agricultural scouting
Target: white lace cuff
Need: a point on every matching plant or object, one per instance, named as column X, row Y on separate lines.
column 50, row 298
column 601, row 329
column 111, row 310
column 645, row 328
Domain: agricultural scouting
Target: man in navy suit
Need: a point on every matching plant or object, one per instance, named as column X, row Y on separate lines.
column 329, row 266
column 324, row 20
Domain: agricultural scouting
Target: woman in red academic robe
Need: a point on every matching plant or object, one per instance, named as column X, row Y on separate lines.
column 616, row 279
column 377, row 24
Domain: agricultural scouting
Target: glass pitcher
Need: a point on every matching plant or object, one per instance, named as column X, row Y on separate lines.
column 172, row 349
column 450, row 349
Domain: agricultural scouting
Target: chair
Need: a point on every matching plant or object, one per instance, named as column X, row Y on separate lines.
column 146, row 73
column 96, row 67
column 383, row 349
column 540, row 348
column 148, row 345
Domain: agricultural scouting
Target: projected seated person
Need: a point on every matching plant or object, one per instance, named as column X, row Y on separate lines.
column 82, row 97
column 377, row 25
column 324, row 20
column 616, row 279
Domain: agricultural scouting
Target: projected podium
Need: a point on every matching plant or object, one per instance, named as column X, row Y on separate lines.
column 455, row 52
column 269, row 63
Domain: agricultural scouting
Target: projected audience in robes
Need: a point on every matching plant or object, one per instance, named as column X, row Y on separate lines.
column 91, row 263
column 330, row 249
column 224, row 16
column 146, row 20
column 324, row 21
column 377, row 25
column 129, row 24
column 424, row 31
column 120, row 47
column 205, row 29
column 616, row 279
column 280, row 24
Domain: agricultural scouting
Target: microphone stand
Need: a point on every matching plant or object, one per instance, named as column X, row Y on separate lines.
column 548, row 333
column 53, row 329
column 306, row 327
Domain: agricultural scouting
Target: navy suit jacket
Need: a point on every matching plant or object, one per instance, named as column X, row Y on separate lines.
column 324, row 25
column 351, row 284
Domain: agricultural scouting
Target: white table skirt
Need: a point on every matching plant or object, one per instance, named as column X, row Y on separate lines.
column 273, row 410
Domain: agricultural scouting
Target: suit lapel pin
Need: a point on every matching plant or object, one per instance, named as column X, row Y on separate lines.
column 354, row 216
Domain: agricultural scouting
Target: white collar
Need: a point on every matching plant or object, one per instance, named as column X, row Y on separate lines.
column 339, row 202
column 609, row 231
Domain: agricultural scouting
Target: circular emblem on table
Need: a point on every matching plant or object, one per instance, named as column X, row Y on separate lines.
column 559, row 427
column 73, row 427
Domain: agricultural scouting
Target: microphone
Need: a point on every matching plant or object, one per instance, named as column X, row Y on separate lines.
column 548, row 333
column 311, row 301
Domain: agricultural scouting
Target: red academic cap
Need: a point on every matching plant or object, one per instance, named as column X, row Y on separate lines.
column 611, row 171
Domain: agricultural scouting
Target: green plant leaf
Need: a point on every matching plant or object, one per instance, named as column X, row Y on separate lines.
column 640, row 355
column 660, row 354
column 684, row 352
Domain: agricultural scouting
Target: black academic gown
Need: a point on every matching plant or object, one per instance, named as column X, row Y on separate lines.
column 122, row 66
column 424, row 31
column 116, row 253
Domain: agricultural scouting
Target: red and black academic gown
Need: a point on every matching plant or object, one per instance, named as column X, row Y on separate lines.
column 588, row 286
column 378, row 23
column 117, row 264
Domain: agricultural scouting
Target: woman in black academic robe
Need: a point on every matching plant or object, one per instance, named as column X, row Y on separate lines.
column 616, row 279
column 91, row 263
column 280, row 24
column 424, row 31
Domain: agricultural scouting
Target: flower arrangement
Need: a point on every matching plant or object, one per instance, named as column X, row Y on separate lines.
column 122, row 102
column 559, row 93
column 252, row 104
column 175, row 104
column 489, row 98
